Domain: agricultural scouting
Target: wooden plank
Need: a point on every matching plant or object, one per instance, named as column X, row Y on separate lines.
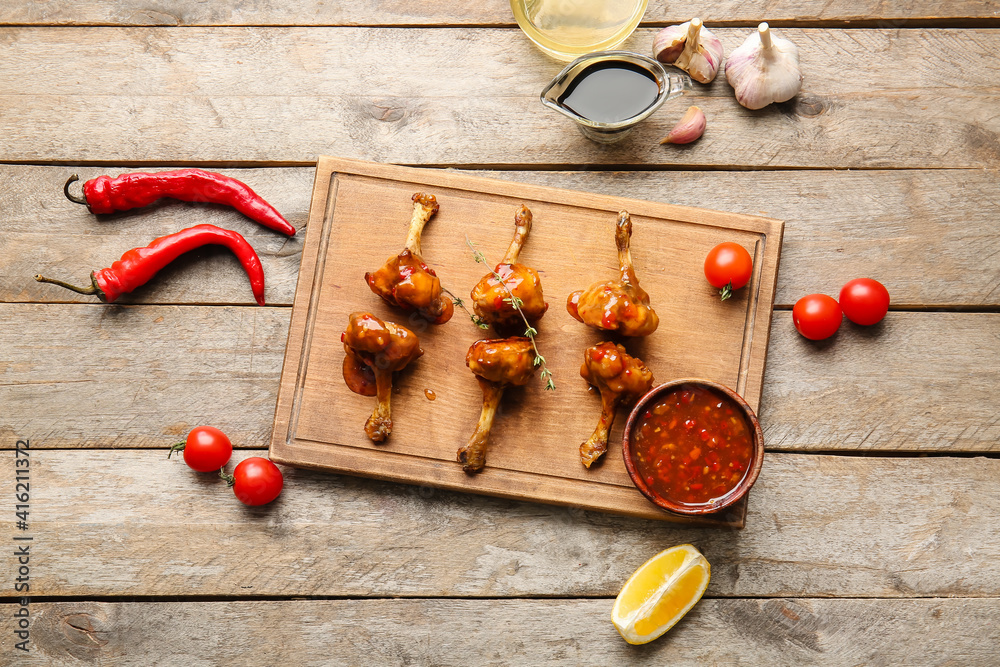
column 111, row 376
column 931, row 236
column 131, row 523
column 896, row 388
column 427, row 12
column 536, row 632
column 46, row 233
column 359, row 215
column 928, row 234
column 291, row 94
column 142, row 376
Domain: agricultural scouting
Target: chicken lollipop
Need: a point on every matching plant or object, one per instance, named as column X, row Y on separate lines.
column 620, row 378
column 375, row 349
column 616, row 305
column 405, row 281
column 491, row 300
column 496, row 363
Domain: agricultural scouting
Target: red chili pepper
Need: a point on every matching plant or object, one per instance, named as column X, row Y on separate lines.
column 107, row 195
column 138, row 266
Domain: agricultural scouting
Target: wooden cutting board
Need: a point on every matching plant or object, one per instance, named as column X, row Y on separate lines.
column 359, row 217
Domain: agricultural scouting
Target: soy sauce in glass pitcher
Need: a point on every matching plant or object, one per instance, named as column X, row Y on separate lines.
column 609, row 92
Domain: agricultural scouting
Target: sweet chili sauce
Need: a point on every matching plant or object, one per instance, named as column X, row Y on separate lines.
column 692, row 445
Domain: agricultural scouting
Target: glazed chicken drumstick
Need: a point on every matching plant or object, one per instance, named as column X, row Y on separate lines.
column 490, row 298
column 375, row 349
column 616, row 305
column 405, row 280
column 620, row 378
column 497, row 364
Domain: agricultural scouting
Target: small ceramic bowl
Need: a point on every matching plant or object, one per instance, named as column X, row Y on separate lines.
column 735, row 494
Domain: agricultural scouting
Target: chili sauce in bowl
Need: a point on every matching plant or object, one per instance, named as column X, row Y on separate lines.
column 693, row 446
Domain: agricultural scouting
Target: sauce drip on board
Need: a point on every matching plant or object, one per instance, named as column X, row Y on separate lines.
column 429, row 393
column 692, row 446
column 611, row 91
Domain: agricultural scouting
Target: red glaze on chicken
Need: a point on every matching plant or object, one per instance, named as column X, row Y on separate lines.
column 405, row 281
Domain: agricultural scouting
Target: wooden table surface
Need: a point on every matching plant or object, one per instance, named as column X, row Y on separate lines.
column 872, row 533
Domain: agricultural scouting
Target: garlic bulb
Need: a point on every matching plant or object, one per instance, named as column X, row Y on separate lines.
column 690, row 47
column 764, row 69
column 689, row 128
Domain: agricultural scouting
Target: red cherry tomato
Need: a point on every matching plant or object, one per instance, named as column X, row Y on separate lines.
column 257, row 481
column 728, row 267
column 817, row 316
column 207, row 449
column 864, row 301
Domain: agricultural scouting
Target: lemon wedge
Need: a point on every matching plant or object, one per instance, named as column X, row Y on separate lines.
column 659, row 593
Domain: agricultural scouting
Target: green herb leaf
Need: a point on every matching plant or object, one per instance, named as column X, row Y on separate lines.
column 517, row 303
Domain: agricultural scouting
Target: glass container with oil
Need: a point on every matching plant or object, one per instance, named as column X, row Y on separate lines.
column 566, row 29
column 609, row 92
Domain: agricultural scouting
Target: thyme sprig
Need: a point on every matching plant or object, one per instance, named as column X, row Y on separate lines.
column 514, row 301
column 478, row 321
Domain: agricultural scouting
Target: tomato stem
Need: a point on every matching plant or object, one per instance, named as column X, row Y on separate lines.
column 727, row 291
column 226, row 477
column 179, row 447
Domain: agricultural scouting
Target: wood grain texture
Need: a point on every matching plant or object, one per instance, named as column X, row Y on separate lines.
column 43, row 232
column 817, row 526
column 898, row 385
column 872, row 98
column 142, row 376
column 360, row 212
column 128, row 523
column 429, row 12
column 111, row 376
column 501, row 632
column 930, row 235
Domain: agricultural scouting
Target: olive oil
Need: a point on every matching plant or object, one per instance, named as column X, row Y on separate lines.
column 566, row 29
column 611, row 91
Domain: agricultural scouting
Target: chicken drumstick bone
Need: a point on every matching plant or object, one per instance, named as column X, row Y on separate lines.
column 497, row 364
column 620, row 378
column 376, row 348
column 616, row 305
column 405, row 280
column 490, row 298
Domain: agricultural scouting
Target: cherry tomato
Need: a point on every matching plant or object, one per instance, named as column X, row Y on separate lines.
column 728, row 267
column 817, row 316
column 257, row 481
column 865, row 301
column 206, row 449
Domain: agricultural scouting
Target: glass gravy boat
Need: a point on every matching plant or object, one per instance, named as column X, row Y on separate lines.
column 668, row 87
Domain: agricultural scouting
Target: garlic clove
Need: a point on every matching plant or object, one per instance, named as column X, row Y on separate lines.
column 669, row 42
column 689, row 128
column 764, row 69
column 691, row 47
